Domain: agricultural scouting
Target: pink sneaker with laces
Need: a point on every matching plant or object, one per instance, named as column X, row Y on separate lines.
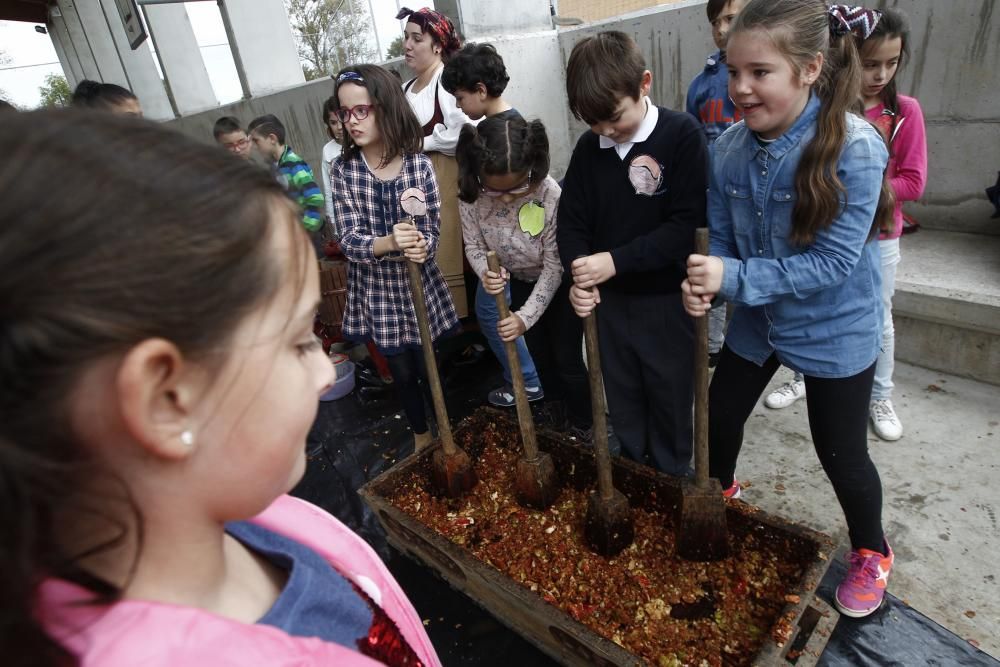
column 862, row 590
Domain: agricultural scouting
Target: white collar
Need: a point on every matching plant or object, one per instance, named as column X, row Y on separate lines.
column 645, row 129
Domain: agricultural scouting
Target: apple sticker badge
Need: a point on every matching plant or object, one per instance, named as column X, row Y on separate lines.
column 531, row 218
column 412, row 201
column 646, row 175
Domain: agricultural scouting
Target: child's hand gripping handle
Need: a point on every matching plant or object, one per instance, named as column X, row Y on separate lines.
column 427, row 343
column 524, row 417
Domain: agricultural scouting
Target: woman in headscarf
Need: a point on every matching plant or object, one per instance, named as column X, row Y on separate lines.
column 429, row 40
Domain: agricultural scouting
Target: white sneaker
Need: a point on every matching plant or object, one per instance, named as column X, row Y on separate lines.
column 785, row 395
column 884, row 420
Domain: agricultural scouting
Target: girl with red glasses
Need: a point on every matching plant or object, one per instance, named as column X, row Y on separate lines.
column 386, row 210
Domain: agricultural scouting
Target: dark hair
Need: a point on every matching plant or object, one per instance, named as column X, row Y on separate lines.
column 104, row 96
column 266, row 125
column 226, row 125
column 500, row 145
column 475, row 64
column 601, row 70
column 892, row 24
column 800, row 29
column 83, row 280
column 714, row 8
column 397, row 125
column 7, row 106
column 330, row 107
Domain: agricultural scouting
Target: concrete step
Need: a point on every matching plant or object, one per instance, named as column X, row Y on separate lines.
column 947, row 304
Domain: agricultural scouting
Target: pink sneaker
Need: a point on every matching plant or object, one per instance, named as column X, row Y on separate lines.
column 733, row 492
column 862, row 590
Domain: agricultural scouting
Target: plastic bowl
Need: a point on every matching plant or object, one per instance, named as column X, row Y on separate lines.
column 344, row 384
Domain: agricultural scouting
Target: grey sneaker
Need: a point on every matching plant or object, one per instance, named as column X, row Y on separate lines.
column 885, row 421
column 785, row 395
column 503, row 397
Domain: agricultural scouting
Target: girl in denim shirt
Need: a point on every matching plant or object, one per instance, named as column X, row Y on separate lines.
column 796, row 195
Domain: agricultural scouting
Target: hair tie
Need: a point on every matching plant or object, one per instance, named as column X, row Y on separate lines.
column 854, row 19
column 350, row 76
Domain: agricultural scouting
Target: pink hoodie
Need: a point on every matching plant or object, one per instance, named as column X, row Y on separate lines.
column 907, row 155
column 152, row 634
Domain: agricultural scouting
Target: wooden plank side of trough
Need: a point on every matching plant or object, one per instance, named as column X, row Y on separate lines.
column 554, row 632
column 549, row 628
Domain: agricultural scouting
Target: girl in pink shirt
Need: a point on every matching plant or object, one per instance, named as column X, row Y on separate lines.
column 901, row 122
column 158, row 377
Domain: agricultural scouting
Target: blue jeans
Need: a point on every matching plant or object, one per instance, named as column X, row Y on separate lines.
column 488, row 316
column 882, row 387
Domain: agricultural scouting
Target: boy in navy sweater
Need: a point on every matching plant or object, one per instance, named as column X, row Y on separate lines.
column 633, row 195
column 708, row 101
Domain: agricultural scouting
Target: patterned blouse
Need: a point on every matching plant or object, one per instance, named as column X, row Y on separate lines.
column 523, row 235
column 379, row 304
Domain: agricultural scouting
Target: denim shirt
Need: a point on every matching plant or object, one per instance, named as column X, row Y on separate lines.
column 817, row 306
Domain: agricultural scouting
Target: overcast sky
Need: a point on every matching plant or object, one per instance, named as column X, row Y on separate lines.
column 32, row 56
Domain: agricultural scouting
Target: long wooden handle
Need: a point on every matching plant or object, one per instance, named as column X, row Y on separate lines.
column 701, row 379
column 602, row 456
column 517, row 378
column 427, row 343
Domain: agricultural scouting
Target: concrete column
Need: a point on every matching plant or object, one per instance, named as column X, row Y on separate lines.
column 180, row 58
column 262, row 44
column 91, row 44
column 492, row 19
column 140, row 69
column 65, row 49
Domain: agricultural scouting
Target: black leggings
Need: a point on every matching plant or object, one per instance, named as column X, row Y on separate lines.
column 409, row 377
column 838, row 420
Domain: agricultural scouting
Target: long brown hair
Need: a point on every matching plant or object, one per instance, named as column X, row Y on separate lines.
column 131, row 232
column 800, row 29
column 397, row 125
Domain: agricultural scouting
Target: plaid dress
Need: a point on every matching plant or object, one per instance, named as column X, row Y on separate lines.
column 379, row 304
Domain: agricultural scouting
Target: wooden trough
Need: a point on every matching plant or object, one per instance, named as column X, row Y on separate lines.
column 798, row 635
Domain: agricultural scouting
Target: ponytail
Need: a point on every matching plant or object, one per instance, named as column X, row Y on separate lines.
column 819, row 189
column 469, row 154
column 536, row 150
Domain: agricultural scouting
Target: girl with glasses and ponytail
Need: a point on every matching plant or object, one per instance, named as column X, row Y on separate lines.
column 386, row 211
column 797, row 193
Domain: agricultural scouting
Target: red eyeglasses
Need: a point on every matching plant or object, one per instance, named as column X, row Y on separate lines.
column 359, row 111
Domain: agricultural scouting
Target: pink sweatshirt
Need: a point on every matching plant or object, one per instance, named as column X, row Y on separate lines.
column 907, row 155
column 153, row 634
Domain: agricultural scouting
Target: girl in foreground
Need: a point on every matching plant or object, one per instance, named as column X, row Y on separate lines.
column 150, row 428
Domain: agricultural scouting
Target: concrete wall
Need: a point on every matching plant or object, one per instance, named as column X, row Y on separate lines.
column 955, row 73
column 536, row 89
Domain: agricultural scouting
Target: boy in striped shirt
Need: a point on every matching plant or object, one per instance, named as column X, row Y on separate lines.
column 268, row 136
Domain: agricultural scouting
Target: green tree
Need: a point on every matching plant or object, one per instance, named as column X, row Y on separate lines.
column 55, row 92
column 395, row 48
column 331, row 34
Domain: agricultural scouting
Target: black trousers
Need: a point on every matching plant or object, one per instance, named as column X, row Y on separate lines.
column 647, row 355
column 409, row 378
column 838, row 420
column 556, row 346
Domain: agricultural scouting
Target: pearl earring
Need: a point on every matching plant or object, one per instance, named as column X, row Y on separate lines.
column 187, row 439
